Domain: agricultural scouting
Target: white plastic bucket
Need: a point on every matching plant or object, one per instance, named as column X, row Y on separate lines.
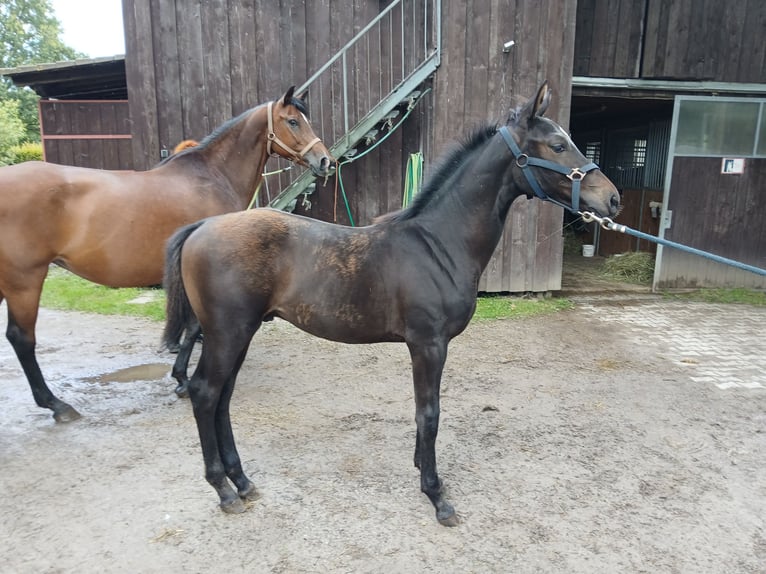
column 588, row 250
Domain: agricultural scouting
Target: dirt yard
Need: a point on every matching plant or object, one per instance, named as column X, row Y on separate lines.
column 584, row 442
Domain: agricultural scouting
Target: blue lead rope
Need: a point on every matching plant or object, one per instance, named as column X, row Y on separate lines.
column 607, row 223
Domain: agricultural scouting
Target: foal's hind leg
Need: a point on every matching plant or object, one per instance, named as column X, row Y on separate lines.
column 22, row 316
column 210, row 390
column 181, row 364
column 427, row 365
column 226, row 446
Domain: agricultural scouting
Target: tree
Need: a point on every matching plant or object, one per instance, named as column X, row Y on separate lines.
column 29, row 34
column 11, row 128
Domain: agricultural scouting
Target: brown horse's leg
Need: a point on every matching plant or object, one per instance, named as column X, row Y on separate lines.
column 22, row 316
column 210, row 390
column 181, row 364
column 427, row 365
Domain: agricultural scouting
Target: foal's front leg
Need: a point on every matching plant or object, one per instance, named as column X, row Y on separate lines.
column 427, row 365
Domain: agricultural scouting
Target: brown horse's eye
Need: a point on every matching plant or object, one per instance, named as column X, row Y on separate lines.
column 293, row 122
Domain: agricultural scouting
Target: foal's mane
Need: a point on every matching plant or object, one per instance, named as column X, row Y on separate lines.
column 447, row 166
column 299, row 104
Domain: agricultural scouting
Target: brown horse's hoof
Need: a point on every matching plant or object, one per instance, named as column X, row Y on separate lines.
column 65, row 414
column 235, row 506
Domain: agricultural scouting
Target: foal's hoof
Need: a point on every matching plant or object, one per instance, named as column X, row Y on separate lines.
column 446, row 515
column 250, row 494
column 449, row 521
column 182, row 390
column 235, row 506
column 65, row 414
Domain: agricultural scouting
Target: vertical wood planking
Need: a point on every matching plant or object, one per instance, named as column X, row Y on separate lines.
column 140, row 73
column 190, row 61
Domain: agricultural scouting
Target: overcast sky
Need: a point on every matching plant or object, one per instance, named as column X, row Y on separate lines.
column 93, row 27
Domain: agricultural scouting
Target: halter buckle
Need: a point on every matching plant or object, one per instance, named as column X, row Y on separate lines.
column 576, row 174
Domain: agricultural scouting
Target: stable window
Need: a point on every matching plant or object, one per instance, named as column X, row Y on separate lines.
column 761, row 147
column 713, row 127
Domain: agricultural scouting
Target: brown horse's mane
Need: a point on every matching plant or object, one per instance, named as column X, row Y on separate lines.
column 185, row 144
column 447, row 166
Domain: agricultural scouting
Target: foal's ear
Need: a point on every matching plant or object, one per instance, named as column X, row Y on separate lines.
column 534, row 107
column 288, row 97
column 542, row 100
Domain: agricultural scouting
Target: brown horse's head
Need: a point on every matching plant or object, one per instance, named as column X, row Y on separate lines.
column 549, row 156
column 291, row 135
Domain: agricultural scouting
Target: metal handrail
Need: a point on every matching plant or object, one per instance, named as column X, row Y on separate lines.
column 419, row 51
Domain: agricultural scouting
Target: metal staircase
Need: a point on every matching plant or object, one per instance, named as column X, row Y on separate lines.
column 393, row 55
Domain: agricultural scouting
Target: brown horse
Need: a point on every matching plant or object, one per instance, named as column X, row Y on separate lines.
column 410, row 277
column 110, row 227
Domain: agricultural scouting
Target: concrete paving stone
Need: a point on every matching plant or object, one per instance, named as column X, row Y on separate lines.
column 724, row 344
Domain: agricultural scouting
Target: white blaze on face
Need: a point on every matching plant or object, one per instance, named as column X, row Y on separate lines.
column 561, row 131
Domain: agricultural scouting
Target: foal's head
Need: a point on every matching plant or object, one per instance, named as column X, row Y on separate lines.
column 292, row 137
column 540, row 137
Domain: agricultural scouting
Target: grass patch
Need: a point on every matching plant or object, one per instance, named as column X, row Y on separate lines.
column 733, row 296
column 63, row 290
column 506, row 307
column 636, row 267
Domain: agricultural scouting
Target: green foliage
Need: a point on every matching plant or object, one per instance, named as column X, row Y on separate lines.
column 11, row 129
column 29, row 34
column 66, row 291
column 29, row 151
column 505, row 307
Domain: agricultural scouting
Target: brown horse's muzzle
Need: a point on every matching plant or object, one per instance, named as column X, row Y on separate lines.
column 321, row 164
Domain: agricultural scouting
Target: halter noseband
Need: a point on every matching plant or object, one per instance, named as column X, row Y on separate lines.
column 272, row 137
column 575, row 174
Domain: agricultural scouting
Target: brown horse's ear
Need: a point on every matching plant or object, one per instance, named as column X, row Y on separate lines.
column 303, row 97
column 288, row 97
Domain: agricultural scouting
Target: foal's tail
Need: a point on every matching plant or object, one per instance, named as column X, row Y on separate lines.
column 179, row 314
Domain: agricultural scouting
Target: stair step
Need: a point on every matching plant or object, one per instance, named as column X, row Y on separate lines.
column 370, row 136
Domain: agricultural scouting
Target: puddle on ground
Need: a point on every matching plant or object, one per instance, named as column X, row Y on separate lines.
column 150, row 372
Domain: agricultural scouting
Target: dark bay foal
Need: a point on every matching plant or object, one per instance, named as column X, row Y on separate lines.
column 411, row 277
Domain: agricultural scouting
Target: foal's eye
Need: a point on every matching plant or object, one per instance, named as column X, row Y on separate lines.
column 558, row 148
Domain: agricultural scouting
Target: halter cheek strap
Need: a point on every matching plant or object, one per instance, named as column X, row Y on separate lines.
column 575, row 174
column 272, row 138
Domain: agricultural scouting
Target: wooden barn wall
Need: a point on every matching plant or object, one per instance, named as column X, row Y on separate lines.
column 191, row 65
column 477, row 82
column 87, row 133
column 679, row 39
column 713, row 212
